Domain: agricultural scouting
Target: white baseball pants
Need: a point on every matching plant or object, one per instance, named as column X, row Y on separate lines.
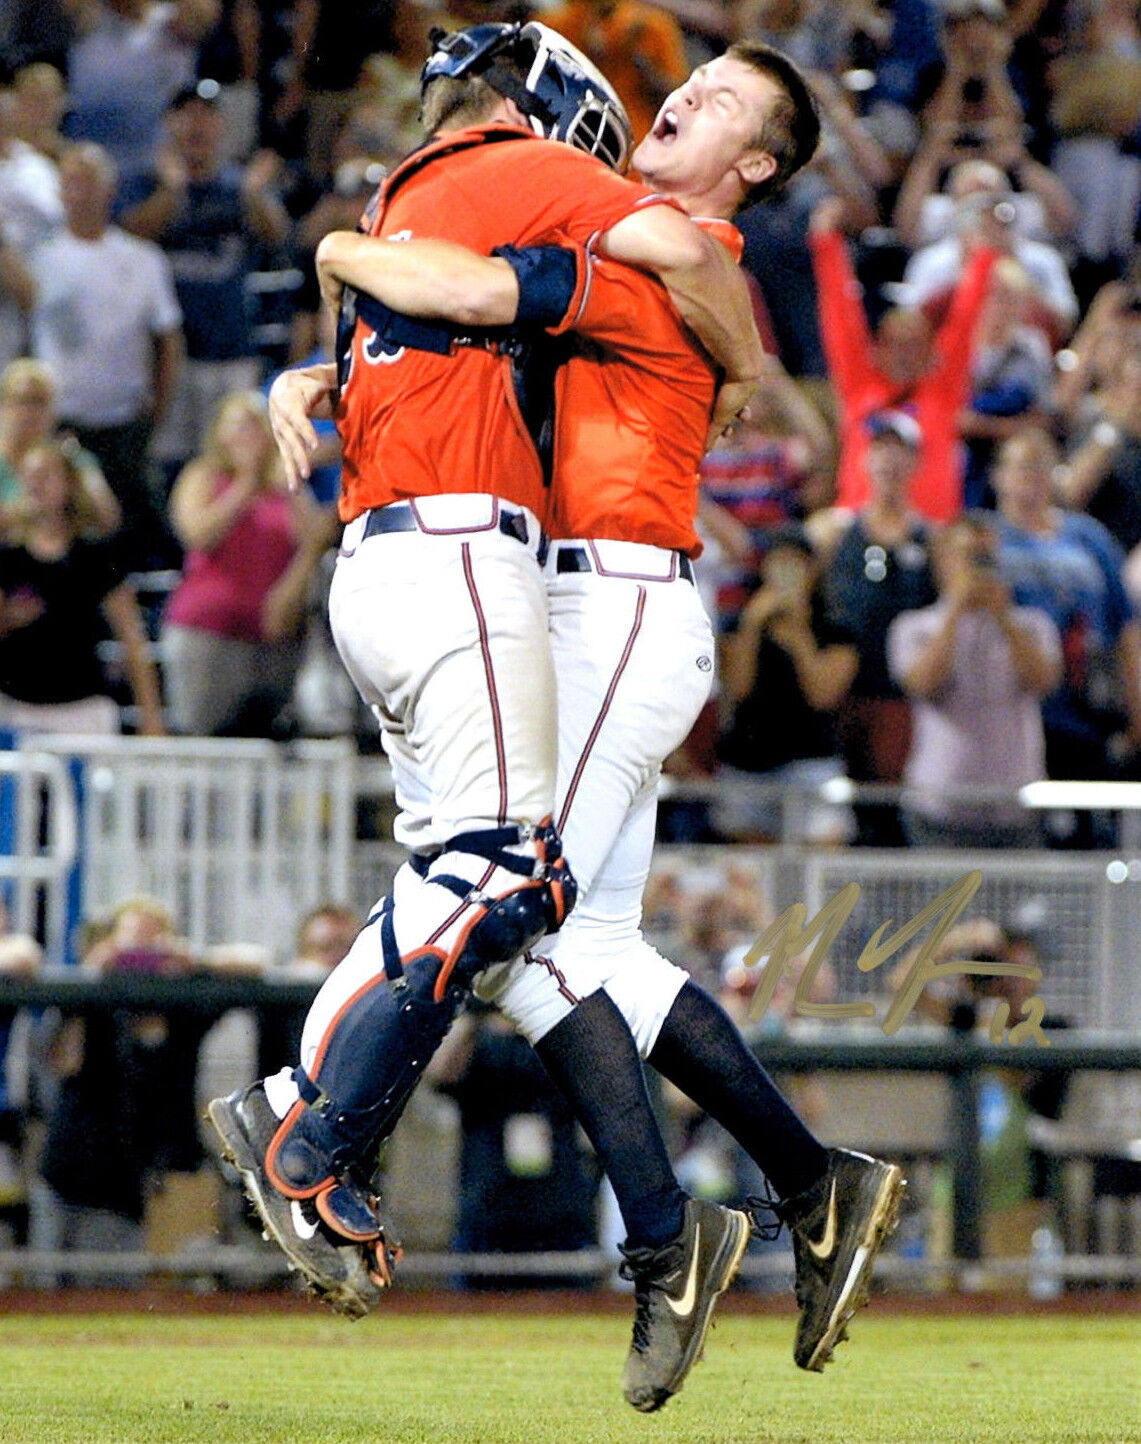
column 633, row 653
column 444, row 631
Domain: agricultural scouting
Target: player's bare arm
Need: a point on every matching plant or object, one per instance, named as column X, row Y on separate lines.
column 295, row 398
column 420, row 277
column 703, row 281
column 440, row 279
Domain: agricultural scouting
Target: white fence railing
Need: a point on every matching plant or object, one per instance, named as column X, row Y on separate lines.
column 39, row 844
column 239, row 838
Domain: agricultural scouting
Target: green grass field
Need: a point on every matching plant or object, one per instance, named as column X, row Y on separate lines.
column 538, row 1379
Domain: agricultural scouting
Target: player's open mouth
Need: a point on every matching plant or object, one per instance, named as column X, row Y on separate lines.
column 666, row 128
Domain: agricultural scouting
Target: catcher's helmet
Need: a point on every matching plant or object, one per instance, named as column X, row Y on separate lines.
column 553, row 83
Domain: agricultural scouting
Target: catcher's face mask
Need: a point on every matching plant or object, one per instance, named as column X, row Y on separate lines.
column 564, row 96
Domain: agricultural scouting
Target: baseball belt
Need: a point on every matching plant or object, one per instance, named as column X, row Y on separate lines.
column 578, row 559
column 399, row 516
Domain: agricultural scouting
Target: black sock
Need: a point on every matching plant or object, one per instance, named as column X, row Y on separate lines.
column 593, row 1060
column 701, row 1052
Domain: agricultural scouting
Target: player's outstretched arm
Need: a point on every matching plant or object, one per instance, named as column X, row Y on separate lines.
column 425, row 278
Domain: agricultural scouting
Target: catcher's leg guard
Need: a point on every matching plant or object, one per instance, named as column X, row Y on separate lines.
column 371, row 1058
column 325, row 1148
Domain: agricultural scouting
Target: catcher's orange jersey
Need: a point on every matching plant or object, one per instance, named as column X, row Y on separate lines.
column 413, row 423
column 630, row 423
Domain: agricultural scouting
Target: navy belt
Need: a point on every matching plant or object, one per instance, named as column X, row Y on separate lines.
column 383, row 520
column 578, row 559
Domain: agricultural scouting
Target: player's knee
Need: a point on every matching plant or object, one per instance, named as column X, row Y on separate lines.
column 529, row 894
column 644, row 989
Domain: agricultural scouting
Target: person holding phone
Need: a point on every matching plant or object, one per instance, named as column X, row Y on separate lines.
column 976, row 668
column 786, row 670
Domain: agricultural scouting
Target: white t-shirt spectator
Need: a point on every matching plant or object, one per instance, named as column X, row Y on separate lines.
column 30, row 212
column 939, row 218
column 99, row 306
column 935, row 271
column 983, row 729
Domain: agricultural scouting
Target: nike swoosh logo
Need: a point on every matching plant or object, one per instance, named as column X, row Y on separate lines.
column 684, row 1306
column 301, row 1225
column 828, row 1242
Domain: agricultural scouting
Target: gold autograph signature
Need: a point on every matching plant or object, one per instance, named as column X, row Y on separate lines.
column 791, row 934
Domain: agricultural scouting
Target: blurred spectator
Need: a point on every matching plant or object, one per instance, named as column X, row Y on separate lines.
column 20, row 957
column 124, row 1110
column 1090, row 363
column 324, row 936
column 33, row 30
column 975, row 668
column 1012, row 371
column 55, row 589
column 40, row 102
column 986, row 216
column 814, row 38
column 31, row 211
column 27, row 417
column 338, row 209
column 528, row 1182
column 232, row 55
column 878, row 566
column 1015, row 1178
column 102, row 294
column 1096, row 105
column 1069, row 566
column 637, row 46
column 776, row 256
column 1102, row 475
column 769, row 469
column 325, row 67
column 129, row 57
column 786, row 670
column 992, row 161
column 230, row 634
column 212, row 222
column 896, row 46
column 906, row 366
column 976, row 88
column 856, row 164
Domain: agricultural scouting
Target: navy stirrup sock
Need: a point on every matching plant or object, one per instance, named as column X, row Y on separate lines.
column 592, row 1059
column 701, row 1052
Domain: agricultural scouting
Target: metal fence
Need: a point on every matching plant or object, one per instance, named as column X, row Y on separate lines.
column 237, row 837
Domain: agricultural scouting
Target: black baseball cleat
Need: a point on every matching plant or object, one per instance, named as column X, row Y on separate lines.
column 838, row 1227
column 675, row 1289
column 348, row 1276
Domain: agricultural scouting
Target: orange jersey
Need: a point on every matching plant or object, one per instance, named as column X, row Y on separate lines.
column 413, row 423
column 630, row 423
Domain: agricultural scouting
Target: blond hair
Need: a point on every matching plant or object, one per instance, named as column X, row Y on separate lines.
column 215, row 452
column 25, row 370
column 83, row 515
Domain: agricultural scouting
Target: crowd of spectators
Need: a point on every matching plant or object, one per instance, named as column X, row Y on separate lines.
column 922, row 549
column 951, row 287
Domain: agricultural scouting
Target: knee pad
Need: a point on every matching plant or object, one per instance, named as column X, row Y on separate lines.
column 513, row 887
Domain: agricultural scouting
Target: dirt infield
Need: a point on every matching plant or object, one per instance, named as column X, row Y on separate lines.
column 171, row 1302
